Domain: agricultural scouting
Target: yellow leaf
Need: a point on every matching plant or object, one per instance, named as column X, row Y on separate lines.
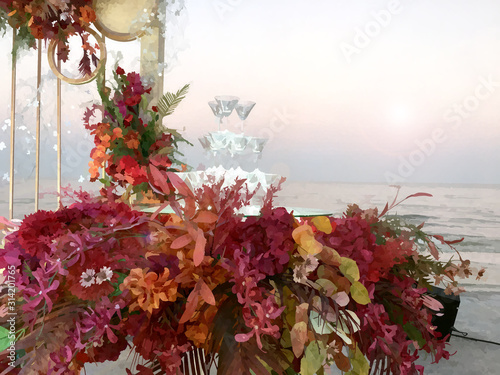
column 304, row 237
column 350, row 269
column 359, row 293
column 323, row 224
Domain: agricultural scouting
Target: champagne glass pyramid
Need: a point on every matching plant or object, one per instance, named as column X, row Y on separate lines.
column 243, row 110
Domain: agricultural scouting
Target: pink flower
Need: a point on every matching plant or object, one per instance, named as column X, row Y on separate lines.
column 260, row 320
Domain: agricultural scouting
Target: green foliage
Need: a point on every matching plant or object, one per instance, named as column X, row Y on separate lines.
column 4, row 338
column 414, row 334
column 360, row 365
column 313, row 359
column 169, row 102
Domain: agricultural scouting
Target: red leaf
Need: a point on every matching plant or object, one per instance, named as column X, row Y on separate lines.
column 386, row 208
column 192, row 302
column 199, row 249
column 159, row 179
column 455, row 241
column 206, row 293
column 419, row 195
column 433, row 250
column 189, row 207
column 179, row 184
column 159, row 210
column 206, row 217
column 440, row 238
column 181, row 241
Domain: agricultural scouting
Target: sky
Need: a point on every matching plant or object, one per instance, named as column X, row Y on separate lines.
column 351, row 91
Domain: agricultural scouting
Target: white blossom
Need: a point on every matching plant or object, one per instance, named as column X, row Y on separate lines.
column 88, row 278
column 105, row 274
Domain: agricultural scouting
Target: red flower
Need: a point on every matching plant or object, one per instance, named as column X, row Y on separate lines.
column 120, row 71
column 155, row 108
column 134, row 100
column 88, row 285
column 127, row 120
column 37, row 232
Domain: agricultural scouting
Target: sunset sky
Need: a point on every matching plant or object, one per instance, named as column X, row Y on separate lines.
column 354, row 91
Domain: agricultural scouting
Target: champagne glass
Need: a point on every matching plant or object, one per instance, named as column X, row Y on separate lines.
column 227, row 103
column 243, row 110
column 217, row 110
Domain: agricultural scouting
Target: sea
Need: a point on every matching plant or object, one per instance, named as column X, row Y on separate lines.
column 454, row 211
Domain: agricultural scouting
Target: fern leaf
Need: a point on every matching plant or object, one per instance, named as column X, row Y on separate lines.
column 169, row 102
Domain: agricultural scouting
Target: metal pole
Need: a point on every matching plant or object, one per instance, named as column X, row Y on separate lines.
column 59, row 135
column 38, row 107
column 12, row 128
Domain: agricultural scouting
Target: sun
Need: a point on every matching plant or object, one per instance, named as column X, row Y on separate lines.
column 400, row 116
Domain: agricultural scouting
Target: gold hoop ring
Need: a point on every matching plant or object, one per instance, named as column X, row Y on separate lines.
column 115, row 35
column 88, row 78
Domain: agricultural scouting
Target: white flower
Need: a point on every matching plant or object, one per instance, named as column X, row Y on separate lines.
column 104, row 274
column 87, row 278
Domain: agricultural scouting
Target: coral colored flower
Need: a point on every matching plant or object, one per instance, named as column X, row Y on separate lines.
column 117, row 133
column 149, row 288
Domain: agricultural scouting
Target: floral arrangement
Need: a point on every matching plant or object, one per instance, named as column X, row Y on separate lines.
column 129, row 138
column 273, row 294
column 52, row 19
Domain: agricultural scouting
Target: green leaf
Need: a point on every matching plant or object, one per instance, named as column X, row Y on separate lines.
column 414, row 334
column 360, row 365
column 350, row 269
column 359, row 293
column 320, row 325
column 4, row 338
column 313, row 359
column 170, row 101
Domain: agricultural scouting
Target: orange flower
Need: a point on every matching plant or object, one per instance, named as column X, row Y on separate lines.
column 131, row 140
column 197, row 333
column 88, row 14
column 117, row 133
column 149, row 288
column 105, row 138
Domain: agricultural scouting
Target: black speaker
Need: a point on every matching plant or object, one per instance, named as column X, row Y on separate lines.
column 445, row 322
